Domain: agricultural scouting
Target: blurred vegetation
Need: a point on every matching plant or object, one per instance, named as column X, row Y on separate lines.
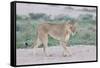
column 26, row 29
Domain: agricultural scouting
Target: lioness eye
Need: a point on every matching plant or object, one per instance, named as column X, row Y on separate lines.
column 71, row 28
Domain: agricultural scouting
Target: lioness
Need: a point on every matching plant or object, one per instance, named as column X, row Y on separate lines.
column 60, row 32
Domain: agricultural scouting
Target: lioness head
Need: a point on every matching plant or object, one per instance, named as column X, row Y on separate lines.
column 71, row 25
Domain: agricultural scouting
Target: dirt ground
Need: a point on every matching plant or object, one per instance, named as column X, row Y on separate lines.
column 79, row 53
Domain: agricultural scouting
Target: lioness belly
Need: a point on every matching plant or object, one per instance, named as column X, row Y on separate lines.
column 56, row 35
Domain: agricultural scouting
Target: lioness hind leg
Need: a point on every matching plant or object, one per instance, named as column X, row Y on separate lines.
column 38, row 42
column 45, row 45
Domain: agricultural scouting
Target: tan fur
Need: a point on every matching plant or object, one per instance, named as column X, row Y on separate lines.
column 60, row 32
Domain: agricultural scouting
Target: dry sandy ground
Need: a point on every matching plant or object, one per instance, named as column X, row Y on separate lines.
column 79, row 53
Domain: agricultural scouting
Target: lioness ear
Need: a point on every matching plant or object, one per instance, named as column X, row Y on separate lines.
column 68, row 21
column 71, row 22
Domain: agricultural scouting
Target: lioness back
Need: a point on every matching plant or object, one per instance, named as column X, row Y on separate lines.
column 57, row 31
column 46, row 27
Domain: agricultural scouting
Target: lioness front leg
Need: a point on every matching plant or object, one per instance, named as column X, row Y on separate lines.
column 66, row 51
